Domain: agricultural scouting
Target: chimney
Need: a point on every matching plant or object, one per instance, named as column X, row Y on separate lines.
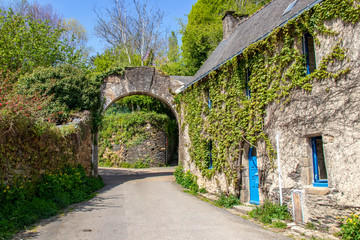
column 230, row 21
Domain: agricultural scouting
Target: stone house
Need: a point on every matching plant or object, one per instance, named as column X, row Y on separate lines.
column 274, row 111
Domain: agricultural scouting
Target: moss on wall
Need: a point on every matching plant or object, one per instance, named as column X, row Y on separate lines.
column 275, row 67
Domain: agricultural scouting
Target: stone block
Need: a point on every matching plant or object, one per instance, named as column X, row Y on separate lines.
column 317, row 190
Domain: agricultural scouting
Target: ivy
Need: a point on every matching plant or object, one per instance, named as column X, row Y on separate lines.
column 277, row 67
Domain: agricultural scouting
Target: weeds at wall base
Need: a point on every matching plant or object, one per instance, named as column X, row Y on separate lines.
column 27, row 202
column 189, row 181
column 269, row 211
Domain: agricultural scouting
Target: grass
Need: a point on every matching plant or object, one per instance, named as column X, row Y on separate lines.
column 278, row 224
column 227, row 201
column 138, row 164
column 189, row 181
column 28, row 201
column 269, row 211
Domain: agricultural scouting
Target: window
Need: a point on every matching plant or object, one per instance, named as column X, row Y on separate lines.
column 210, row 155
column 309, row 52
column 247, row 86
column 208, row 98
column 319, row 165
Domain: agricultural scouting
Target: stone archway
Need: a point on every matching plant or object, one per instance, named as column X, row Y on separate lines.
column 143, row 81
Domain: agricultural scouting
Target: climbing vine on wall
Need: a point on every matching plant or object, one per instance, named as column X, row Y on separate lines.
column 276, row 66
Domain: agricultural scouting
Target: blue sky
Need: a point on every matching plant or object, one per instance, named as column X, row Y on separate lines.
column 83, row 11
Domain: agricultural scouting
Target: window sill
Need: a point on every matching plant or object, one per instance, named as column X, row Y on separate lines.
column 317, row 190
column 321, row 184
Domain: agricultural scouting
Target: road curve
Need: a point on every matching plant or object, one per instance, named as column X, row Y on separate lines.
column 145, row 204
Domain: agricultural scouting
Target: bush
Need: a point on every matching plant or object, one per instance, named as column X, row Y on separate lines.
column 269, row 211
column 227, row 201
column 279, row 224
column 27, row 201
column 67, row 87
column 350, row 228
column 186, row 180
column 137, row 164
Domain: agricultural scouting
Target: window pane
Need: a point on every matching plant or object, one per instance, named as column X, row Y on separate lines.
column 311, row 53
column 253, row 152
column 321, row 159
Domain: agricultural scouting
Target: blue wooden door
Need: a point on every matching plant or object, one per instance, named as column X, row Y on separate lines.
column 253, row 177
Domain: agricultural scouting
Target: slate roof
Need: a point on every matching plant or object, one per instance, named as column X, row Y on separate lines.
column 183, row 79
column 253, row 29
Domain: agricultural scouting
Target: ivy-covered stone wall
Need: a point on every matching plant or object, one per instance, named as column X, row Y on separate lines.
column 283, row 99
column 29, row 149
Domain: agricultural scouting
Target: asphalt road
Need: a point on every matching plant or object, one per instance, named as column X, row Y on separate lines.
column 145, row 204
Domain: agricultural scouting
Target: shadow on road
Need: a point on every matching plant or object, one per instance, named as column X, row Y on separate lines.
column 112, row 177
column 115, row 176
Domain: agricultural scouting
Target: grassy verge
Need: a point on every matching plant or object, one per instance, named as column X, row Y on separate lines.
column 25, row 202
column 227, row 201
column 271, row 213
column 189, row 181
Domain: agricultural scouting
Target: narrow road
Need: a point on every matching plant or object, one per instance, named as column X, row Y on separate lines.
column 146, row 204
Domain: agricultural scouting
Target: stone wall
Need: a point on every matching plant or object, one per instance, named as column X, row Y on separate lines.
column 30, row 151
column 330, row 110
column 153, row 149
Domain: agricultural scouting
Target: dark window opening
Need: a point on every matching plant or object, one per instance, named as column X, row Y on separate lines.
column 309, row 52
column 247, row 85
column 253, row 152
column 210, row 156
column 208, row 99
column 319, row 164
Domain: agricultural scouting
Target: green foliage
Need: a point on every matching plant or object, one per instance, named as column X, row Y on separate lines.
column 203, row 31
column 279, row 224
column 68, row 88
column 174, row 65
column 26, row 201
column 114, row 58
column 269, row 211
column 186, row 179
column 350, row 228
column 227, row 201
column 25, row 141
column 138, row 164
column 277, row 67
column 174, row 51
column 128, row 125
column 27, row 43
column 139, row 103
column 310, row 225
column 130, row 129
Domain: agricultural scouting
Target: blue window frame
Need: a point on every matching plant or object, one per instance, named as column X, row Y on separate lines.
column 209, row 99
column 319, row 165
column 247, row 86
column 309, row 52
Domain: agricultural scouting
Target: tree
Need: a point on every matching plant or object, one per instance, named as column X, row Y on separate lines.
column 45, row 13
column 203, row 31
column 26, row 44
column 174, row 51
column 173, row 64
column 136, row 31
column 73, row 34
column 68, row 88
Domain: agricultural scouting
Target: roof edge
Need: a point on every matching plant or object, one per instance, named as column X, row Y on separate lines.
column 242, row 50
